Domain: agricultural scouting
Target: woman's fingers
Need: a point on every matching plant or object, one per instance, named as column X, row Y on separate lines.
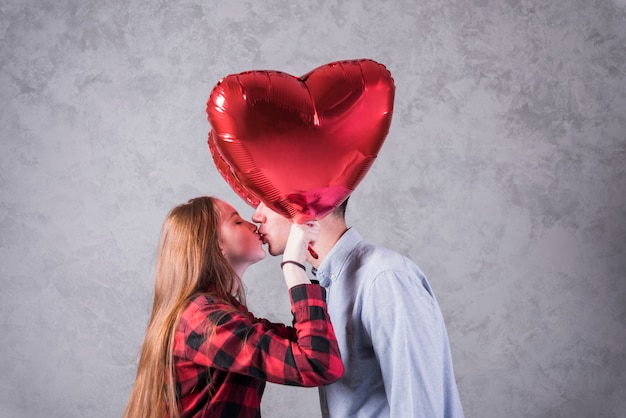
column 300, row 237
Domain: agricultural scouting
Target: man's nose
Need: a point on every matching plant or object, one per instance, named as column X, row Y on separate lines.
column 258, row 217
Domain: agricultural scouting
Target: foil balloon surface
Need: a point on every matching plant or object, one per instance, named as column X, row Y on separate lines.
column 301, row 144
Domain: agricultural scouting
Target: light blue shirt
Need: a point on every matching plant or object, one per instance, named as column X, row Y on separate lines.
column 391, row 335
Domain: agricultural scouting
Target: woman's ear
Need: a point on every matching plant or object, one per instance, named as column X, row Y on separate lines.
column 219, row 243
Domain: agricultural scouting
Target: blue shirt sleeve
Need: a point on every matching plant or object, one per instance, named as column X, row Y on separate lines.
column 409, row 338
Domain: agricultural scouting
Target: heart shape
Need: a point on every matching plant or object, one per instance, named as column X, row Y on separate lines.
column 300, row 144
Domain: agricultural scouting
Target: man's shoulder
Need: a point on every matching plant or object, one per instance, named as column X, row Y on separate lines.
column 383, row 273
column 363, row 260
column 370, row 253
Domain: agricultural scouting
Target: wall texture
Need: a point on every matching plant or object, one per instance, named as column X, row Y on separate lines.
column 503, row 176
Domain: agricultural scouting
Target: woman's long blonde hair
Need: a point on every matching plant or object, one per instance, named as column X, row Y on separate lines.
column 189, row 261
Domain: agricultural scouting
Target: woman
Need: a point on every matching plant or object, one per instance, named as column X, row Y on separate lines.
column 204, row 354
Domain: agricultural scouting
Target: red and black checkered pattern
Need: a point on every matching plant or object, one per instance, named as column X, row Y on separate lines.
column 222, row 372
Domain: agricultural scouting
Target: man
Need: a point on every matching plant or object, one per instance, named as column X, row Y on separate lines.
column 391, row 333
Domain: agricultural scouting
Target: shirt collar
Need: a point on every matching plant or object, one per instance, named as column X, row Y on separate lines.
column 333, row 263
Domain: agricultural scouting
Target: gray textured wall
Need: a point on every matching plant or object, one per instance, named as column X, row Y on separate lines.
column 503, row 176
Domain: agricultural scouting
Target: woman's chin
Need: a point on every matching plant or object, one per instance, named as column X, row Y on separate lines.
column 261, row 255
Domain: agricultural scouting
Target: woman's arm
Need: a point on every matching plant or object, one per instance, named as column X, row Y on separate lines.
column 237, row 344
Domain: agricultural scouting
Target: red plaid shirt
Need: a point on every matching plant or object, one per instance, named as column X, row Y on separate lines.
column 222, row 372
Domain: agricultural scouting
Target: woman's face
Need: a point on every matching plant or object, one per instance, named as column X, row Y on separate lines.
column 238, row 238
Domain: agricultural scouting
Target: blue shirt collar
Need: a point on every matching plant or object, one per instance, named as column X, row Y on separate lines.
column 331, row 267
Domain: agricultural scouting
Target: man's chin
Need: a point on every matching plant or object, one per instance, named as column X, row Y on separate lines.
column 274, row 251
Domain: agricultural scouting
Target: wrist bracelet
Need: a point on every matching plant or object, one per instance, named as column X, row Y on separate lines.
column 292, row 262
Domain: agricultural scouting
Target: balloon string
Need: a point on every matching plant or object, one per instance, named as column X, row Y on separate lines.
column 313, row 253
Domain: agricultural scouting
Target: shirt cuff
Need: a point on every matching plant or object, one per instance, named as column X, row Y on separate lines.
column 302, row 292
column 304, row 296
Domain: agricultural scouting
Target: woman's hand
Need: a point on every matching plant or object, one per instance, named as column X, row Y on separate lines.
column 300, row 237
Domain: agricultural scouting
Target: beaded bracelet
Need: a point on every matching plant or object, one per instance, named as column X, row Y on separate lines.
column 292, row 262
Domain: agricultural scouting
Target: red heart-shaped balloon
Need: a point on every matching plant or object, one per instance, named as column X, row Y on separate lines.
column 300, row 144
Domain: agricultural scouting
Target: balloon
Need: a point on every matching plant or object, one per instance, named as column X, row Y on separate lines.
column 301, row 144
column 224, row 169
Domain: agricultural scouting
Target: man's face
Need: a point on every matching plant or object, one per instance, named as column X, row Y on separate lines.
column 273, row 228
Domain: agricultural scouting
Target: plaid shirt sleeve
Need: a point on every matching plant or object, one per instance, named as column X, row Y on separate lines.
column 306, row 355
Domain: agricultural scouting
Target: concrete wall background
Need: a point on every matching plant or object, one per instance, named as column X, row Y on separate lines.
column 503, row 176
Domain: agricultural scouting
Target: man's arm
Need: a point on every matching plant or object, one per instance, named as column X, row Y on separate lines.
column 410, row 341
